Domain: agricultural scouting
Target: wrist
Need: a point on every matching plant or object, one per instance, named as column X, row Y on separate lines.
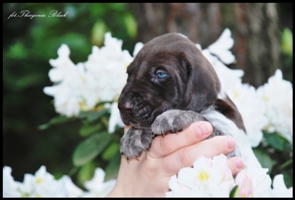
column 116, row 192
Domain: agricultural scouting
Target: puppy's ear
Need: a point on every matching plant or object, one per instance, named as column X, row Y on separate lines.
column 203, row 84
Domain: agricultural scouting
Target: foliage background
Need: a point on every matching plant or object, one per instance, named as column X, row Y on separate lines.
column 28, row 44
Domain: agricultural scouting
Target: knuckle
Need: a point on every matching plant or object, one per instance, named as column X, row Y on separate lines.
column 183, row 157
column 165, row 145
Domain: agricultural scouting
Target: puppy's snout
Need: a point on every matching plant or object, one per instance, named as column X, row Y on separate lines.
column 127, row 106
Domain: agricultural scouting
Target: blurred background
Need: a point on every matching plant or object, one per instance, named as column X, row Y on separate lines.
column 263, row 42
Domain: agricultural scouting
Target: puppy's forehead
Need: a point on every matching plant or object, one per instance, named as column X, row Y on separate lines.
column 171, row 43
column 161, row 50
column 149, row 62
column 168, row 42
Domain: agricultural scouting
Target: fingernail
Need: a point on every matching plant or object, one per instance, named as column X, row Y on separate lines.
column 230, row 143
column 204, row 129
column 239, row 163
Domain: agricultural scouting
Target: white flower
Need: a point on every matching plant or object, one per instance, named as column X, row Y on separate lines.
column 65, row 99
column 69, row 188
column 108, row 66
column 243, row 95
column 261, row 181
column 252, row 110
column 207, row 178
column 137, row 48
column 228, row 77
column 97, row 187
column 279, row 187
column 42, row 184
column 10, row 187
column 212, row 178
column 62, row 65
column 253, row 182
column 68, row 78
column 277, row 95
column 27, row 187
column 245, row 185
column 221, row 47
column 115, row 118
column 177, row 189
column 100, row 79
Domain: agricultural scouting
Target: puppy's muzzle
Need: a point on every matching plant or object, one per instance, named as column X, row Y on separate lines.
column 125, row 106
column 135, row 111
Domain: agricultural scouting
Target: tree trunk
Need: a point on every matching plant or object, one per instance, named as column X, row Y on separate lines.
column 254, row 29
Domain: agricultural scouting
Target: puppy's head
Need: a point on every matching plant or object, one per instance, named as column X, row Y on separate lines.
column 169, row 72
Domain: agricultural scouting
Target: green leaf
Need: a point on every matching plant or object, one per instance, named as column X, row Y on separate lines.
column 97, row 10
column 73, row 171
column 111, row 151
column 86, row 172
column 131, row 25
column 287, row 42
column 288, row 147
column 54, row 121
column 275, row 140
column 98, row 31
column 18, row 51
column 90, row 148
column 264, row 159
column 88, row 129
column 113, row 167
column 116, row 7
column 288, row 178
column 287, row 163
column 93, row 115
column 233, row 192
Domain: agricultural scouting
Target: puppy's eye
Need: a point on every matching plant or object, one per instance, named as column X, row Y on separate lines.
column 161, row 74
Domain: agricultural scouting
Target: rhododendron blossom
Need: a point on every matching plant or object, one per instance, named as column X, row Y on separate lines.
column 277, row 96
column 43, row 184
column 207, row 178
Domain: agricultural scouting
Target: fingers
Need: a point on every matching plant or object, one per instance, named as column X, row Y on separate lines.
column 186, row 156
column 168, row 144
column 235, row 164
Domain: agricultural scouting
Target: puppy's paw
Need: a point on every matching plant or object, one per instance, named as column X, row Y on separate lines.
column 174, row 121
column 135, row 141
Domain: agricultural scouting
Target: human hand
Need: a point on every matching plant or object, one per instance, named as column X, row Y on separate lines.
column 149, row 174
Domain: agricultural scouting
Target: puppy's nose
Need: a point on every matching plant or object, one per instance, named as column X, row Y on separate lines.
column 125, row 106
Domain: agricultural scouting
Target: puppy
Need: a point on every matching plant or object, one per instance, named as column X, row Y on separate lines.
column 171, row 85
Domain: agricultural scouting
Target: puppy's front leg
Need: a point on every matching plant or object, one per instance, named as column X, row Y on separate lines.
column 174, row 121
column 134, row 141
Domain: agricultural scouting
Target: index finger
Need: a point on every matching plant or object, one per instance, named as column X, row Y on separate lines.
column 196, row 132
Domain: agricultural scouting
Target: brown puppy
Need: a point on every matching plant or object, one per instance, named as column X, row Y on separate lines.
column 171, row 85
